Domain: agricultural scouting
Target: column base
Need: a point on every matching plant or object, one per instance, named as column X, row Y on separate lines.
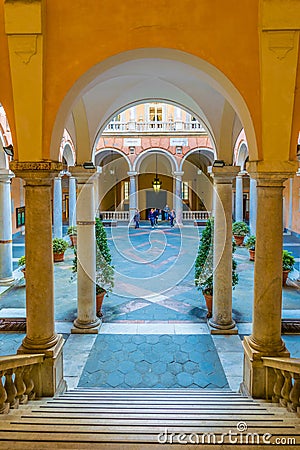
column 219, row 329
column 7, row 281
column 256, row 378
column 86, row 328
column 48, row 377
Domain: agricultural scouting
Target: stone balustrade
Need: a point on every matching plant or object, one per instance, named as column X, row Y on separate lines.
column 195, row 215
column 16, row 380
column 154, row 126
column 286, row 387
column 114, row 215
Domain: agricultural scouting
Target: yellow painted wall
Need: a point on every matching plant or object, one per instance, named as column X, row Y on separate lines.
column 81, row 33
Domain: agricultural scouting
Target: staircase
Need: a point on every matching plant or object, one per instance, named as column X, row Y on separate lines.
column 148, row 419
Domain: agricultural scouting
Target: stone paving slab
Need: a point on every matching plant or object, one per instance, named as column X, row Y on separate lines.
column 153, row 361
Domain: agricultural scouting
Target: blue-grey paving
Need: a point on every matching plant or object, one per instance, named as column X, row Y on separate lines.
column 153, row 361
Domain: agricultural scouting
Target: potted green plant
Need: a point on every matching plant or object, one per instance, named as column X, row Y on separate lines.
column 204, row 266
column 239, row 231
column 288, row 262
column 104, row 268
column 22, row 265
column 250, row 245
column 59, row 246
column 72, row 233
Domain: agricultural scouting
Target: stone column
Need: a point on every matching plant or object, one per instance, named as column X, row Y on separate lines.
column 96, row 190
column 290, row 219
column 40, row 326
column 72, row 201
column 221, row 321
column 86, row 321
column 253, row 206
column 57, row 208
column 239, row 198
column 132, row 194
column 6, row 272
column 178, row 196
column 265, row 339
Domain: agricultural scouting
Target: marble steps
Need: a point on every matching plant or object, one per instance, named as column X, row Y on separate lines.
column 133, row 419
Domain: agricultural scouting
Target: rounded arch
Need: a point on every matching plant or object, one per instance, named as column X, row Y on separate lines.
column 68, row 154
column 209, row 154
column 199, row 74
column 242, row 155
column 151, row 151
column 103, row 152
column 67, row 149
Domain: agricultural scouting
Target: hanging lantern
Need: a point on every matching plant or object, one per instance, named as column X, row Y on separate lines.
column 156, row 183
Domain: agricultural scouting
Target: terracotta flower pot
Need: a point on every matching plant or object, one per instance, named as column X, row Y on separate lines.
column 73, row 238
column 24, row 272
column 252, row 255
column 208, row 300
column 99, row 301
column 238, row 239
column 285, row 274
column 58, row 257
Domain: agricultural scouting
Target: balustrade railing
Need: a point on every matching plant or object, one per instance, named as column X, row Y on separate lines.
column 114, row 215
column 195, row 215
column 286, row 387
column 16, row 383
column 155, row 126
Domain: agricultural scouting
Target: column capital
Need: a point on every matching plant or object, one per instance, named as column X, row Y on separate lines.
column 272, row 173
column 223, row 175
column 6, row 175
column 178, row 173
column 83, row 175
column 132, row 173
column 36, row 172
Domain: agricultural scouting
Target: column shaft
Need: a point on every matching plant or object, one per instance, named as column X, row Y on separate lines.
column 132, row 194
column 72, row 201
column 268, row 261
column 178, row 196
column 57, row 208
column 6, row 275
column 222, row 321
column 86, row 321
column 265, row 339
column 239, row 198
column 253, row 206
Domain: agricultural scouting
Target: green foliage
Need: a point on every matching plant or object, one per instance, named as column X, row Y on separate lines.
column 101, row 240
column 59, row 245
column 288, row 260
column 21, row 261
column 250, row 243
column 204, row 261
column 104, row 268
column 72, row 230
column 240, row 229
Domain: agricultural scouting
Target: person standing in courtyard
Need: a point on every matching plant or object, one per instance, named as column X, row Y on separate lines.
column 137, row 218
column 166, row 212
column 172, row 217
column 152, row 217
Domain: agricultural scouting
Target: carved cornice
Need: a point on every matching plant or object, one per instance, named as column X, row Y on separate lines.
column 36, row 172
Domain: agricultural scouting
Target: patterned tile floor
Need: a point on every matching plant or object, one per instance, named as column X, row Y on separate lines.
column 153, row 361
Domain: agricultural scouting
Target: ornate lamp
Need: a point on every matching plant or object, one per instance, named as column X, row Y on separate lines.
column 156, row 183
